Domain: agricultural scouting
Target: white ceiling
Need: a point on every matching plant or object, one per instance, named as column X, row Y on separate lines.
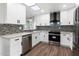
column 48, row 7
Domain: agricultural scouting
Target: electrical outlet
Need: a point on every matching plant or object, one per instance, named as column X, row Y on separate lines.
column 18, row 21
column 35, row 37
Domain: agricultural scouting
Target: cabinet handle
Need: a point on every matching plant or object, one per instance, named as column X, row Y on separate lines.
column 54, row 37
column 21, row 43
column 44, row 35
column 35, row 37
column 60, row 22
column 18, row 21
column 64, row 34
column 69, row 22
column 24, row 38
column 68, row 39
column 16, row 39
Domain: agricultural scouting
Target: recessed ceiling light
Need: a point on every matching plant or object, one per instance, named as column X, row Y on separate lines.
column 30, row 4
column 35, row 8
column 42, row 10
column 64, row 6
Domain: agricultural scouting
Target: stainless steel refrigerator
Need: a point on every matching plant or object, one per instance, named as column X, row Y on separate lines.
column 76, row 41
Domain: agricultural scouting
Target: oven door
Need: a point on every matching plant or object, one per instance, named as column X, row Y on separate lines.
column 55, row 38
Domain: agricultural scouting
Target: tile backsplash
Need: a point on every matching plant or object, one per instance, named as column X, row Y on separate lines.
column 10, row 28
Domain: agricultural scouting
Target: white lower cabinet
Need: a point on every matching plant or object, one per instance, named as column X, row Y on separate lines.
column 67, row 39
column 15, row 46
column 35, row 38
column 0, row 47
column 39, row 36
column 11, row 47
column 44, row 36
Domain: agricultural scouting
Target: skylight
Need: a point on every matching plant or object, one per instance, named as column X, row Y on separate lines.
column 30, row 4
column 35, row 8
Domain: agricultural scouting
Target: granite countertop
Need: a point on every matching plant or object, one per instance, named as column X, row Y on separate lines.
column 9, row 36
column 14, row 35
column 41, row 28
column 68, row 28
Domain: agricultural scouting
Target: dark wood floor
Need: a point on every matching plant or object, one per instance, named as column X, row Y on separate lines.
column 44, row 49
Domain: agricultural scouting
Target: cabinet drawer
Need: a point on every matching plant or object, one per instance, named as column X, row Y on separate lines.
column 15, row 40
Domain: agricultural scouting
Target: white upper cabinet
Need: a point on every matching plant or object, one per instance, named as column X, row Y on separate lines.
column 13, row 13
column 3, row 12
column 16, row 13
column 67, row 17
column 42, row 20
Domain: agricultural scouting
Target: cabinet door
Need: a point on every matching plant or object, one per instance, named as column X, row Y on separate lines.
column 44, row 36
column 3, row 8
column 15, row 46
column 63, row 18
column 70, row 39
column 42, row 20
column 67, row 17
column 65, row 40
column 0, row 46
column 16, row 14
column 34, row 39
column 45, row 19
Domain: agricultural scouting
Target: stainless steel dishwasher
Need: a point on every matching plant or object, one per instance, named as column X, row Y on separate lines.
column 26, row 43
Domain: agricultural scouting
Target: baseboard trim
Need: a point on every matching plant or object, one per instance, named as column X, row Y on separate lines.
column 25, row 53
column 31, row 49
column 36, row 45
column 65, row 46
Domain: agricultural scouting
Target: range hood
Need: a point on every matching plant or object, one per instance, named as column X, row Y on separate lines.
column 55, row 18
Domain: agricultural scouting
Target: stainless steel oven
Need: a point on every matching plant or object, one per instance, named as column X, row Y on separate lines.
column 54, row 36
